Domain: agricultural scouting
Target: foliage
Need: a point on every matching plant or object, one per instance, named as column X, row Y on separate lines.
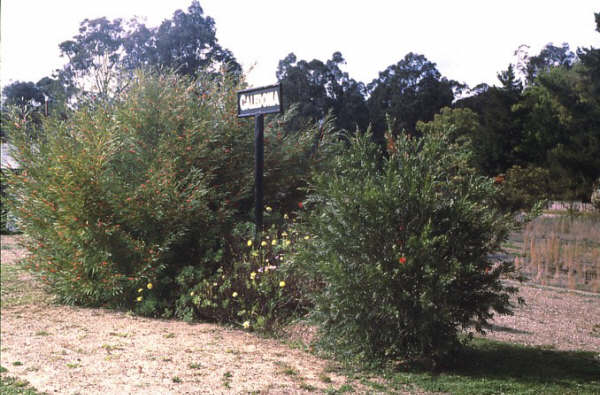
column 561, row 128
column 12, row 385
column 251, row 291
column 144, row 191
column 409, row 91
column 549, row 57
column 33, row 101
column 499, row 132
column 522, row 187
column 401, row 242
column 317, row 88
column 595, row 197
column 460, row 124
column 103, row 49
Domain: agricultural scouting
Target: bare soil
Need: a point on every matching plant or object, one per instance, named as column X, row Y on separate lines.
column 71, row 350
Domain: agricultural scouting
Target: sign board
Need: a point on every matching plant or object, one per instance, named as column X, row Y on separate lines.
column 256, row 101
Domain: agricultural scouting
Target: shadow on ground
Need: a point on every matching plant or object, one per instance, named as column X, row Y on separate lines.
column 490, row 367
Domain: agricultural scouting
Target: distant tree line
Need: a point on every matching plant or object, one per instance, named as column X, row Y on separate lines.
column 540, row 125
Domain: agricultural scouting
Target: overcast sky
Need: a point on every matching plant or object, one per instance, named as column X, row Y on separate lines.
column 470, row 41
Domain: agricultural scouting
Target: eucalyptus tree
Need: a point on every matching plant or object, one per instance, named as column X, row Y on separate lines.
column 406, row 92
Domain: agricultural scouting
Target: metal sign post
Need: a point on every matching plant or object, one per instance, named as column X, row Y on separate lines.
column 257, row 102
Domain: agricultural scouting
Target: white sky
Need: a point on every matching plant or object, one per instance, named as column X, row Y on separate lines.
column 470, row 41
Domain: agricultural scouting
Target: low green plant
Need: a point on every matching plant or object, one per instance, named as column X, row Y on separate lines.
column 401, row 243
column 12, row 385
column 252, row 292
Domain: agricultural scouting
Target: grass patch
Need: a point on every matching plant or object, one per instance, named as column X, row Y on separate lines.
column 17, row 287
column 491, row 367
column 324, row 378
column 307, row 387
column 227, row 379
column 11, row 385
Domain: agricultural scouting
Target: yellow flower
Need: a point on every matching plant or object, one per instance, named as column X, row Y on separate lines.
column 274, row 242
column 282, row 284
column 306, row 237
column 263, row 243
column 249, row 243
column 246, row 324
column 268, row 209
column 287, row 242
column 235, row 294
column 140, row 290
column 149, row 286
column 139, row 298
column 192, row 293
column 252, row 275
column 215, row 284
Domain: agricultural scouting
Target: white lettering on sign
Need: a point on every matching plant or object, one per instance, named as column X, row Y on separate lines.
column 253, row 101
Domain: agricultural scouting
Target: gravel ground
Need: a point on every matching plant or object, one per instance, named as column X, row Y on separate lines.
column 70, row 350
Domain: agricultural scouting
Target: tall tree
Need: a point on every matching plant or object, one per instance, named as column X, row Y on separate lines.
column 188, row 43
column 32, row 101
column 500, row 132
column 550, row 56
column 95, row 54
column 22, row 94
column 317, row 88
column 411, row 90
column 590, row 58
column 103, row 50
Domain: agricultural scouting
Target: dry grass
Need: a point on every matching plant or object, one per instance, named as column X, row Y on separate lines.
column 561, row 251
column 61, row 349
column 75, row 350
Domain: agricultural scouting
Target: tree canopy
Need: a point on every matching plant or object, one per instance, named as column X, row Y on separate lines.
column 103, row 50
column 409, row 91
column 543, row 113
column 317, row 88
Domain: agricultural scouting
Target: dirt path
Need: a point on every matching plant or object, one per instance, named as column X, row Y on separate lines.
column 554, row 318
column 86, row 351
column 61, row 349
column 70, row 350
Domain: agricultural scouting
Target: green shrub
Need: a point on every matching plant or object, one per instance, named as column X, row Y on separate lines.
column 522, row 187
column 251, row 292
column 401, row 242
column 132, row 202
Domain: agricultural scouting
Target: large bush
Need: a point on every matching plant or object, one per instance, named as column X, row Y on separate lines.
column 401, row 243
column 140, row 200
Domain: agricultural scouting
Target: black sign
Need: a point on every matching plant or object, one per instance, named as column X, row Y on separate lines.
column 256, row 101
